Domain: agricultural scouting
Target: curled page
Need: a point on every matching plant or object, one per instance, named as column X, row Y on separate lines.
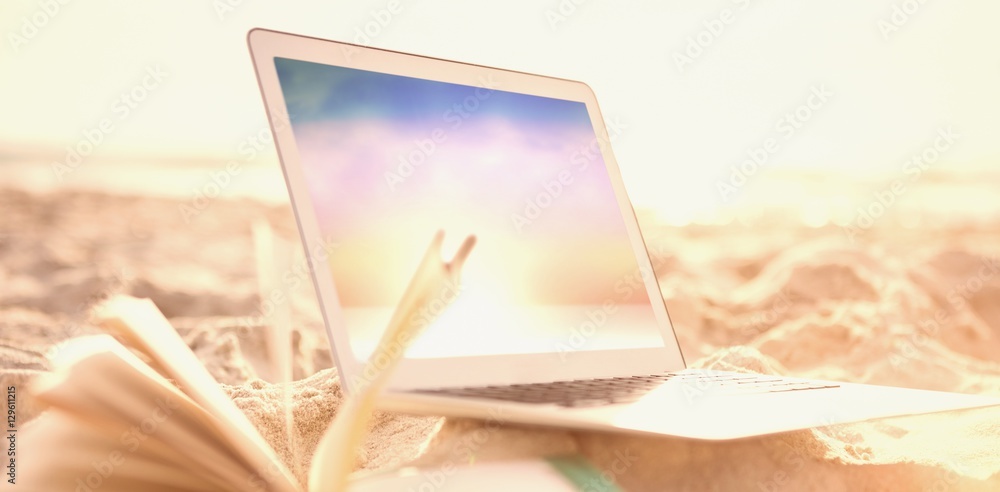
column 335, row 454
column 144, row 328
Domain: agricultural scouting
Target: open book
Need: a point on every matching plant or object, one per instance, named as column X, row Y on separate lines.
column 136, row 410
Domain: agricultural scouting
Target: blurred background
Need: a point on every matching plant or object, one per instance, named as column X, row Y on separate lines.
column 816, row 183
column 697, row 88
column 815, row 180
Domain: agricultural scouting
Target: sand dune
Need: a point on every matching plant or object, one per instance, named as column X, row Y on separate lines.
column 917, row 308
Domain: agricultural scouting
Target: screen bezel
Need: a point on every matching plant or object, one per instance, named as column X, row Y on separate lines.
column 266, row 44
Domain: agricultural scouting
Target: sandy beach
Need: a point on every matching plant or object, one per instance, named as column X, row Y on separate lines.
column 910, row 306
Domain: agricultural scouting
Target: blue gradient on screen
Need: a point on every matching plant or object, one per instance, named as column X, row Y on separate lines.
column 389, row 159
column 314, row 91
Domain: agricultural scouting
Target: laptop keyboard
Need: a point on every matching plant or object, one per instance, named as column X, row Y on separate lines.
column 608, row 391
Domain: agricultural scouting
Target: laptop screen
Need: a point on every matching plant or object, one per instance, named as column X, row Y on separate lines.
column 390, row 159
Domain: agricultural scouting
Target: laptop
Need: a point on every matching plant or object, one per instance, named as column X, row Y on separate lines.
column 558, row 319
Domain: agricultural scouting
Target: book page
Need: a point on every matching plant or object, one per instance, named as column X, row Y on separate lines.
column 62, row 454
column 104, row 401
column 143, row 326
column 334, row 458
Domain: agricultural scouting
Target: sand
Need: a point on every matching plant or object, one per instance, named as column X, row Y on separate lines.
column 913, row 307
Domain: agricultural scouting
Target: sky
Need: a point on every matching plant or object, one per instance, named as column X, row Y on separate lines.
column 696, row 87
column 386, row 166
